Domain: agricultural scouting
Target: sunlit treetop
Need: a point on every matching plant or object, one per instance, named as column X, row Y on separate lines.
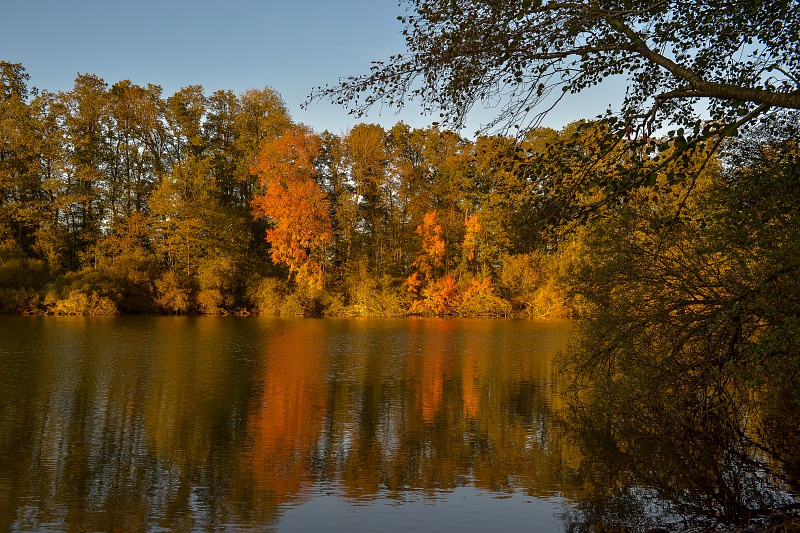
column 724, row 60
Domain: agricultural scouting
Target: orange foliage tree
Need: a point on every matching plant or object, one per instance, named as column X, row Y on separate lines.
column 295, row 202
column 433, row 245
column 437, row 296
column 472, row 234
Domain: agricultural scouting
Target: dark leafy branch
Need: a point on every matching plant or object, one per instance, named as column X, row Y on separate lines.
column 737, row 54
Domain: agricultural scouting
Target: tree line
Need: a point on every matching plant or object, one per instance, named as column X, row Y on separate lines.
column 117, row 199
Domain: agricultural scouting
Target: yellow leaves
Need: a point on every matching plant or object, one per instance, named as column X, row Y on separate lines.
column 366, row 149
column 478, row 298
column 310, row 273
column 80, row 303
column 478, row 287
column 172, row 294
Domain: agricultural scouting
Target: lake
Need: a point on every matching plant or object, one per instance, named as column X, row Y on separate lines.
column 142, row 423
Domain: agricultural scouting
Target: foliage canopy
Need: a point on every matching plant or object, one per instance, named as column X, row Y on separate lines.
column 522, row 56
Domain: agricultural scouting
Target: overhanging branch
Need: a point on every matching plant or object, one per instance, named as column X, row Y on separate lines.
column 700, row 87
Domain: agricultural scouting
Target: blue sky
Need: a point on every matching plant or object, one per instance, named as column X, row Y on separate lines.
column 291, row 46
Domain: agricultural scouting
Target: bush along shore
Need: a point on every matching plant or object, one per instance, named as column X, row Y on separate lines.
column 93, row 293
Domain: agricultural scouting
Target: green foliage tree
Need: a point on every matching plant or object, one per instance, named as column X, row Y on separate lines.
column 367, row 159
column 199, row 240
column 136, row 139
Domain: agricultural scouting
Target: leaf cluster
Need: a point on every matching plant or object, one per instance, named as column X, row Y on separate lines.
column 522, row 56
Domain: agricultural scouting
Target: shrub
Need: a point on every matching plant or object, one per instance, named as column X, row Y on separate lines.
column 368, row 297
column 479, row 299
column 437, row 298
column 210, row 301
column 173, row 294
column 85, row 292
column 270, row 296
column 215, row 278
column 22, row 301
column 81, row 303
column 532, row 283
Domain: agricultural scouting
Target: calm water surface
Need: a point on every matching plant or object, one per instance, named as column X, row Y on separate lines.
column 208, row 423
column 241, row 424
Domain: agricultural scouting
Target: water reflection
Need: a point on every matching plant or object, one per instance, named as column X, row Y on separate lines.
column 685, row 467
column 287, row 413
column 201, row 423
column 208, row 423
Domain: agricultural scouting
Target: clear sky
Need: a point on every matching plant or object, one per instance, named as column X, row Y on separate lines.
column 289, row 45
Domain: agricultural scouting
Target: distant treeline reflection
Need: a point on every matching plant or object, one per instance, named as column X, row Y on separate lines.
column 181, row 427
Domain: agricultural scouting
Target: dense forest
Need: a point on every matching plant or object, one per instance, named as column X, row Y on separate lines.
column 116, row 199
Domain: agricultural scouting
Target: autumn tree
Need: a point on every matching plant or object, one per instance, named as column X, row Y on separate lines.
column 20, row 181
column 432, row 247
column 184, row 113
column 136, row 140
column 201, row 238
column 495, row 190
column 413, row 173
column 690, row 300
column 708, row 68
column 234, row 128
column 261, row 115
column 23, row 196
column 331, row 174
column 87, row 126
column 366, row 157
column 295, row 203
column 433, row 294
column 220, row 137
column 426, row 166
column 51, row 237
column 198, row 241
column 472, row 238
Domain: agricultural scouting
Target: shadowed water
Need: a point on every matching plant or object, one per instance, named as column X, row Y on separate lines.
column 226, row 424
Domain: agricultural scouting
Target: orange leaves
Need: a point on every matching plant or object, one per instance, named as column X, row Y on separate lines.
column 445, row 295
column 438, row 298
column 472, row 231
column 434, row 296
column 433, row 245
column 288, row 158
column 295, row 202
column 413, row 283
column 478, row 288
